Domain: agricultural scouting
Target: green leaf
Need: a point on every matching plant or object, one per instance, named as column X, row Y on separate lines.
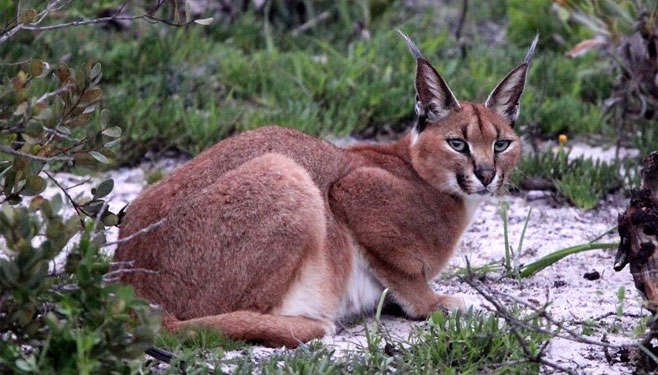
column 10, row 270
column 92, row 95
column 64, row 130
column 112, row 143
column 36, row 67
column 26, row 366
column 56, row 202
column 80, row 120
column 93, row 207
column 114, row 132
column 545, row 261
column 204, row 21
column 100, row 157
column 110, row 220
column 27, row 16
column 34, row 185
column 95, row 70
column 104, row 188
column 63, row 72
column 105, row 118
column 20, row 109
column 44, row 115
column 55, row 230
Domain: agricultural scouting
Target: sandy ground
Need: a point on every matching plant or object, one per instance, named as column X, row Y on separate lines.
column 574, row 299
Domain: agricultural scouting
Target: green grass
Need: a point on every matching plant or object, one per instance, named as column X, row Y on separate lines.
column 460, row 343
column 188, row 88
column 197, row 339
column 582, row 181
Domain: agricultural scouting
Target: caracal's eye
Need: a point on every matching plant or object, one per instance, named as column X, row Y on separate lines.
column 501, row 145
column 458, row 145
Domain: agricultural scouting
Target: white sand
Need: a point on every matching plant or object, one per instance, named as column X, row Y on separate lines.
column 551, row 228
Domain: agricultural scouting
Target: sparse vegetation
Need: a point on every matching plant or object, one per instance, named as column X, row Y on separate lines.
column 582, row 181
column 465, row 343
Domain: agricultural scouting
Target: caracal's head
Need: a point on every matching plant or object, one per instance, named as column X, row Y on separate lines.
column 463, row 148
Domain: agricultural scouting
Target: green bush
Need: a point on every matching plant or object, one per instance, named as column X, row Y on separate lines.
column 60, row 310
column 70, row 319
column 582, row 181
column 529, row 17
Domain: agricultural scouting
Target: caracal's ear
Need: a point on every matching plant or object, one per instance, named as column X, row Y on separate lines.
column 506, row 96
column 434, row 99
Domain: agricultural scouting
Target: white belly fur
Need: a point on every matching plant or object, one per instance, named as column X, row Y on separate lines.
column 311, row 297
column 363, row 290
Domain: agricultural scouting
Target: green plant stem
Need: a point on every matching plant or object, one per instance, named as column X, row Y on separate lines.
column 508, row 256
column 380, row 305
column 538, row 265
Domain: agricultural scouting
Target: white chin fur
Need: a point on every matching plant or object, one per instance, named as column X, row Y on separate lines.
column 414, row 136
column 471, row 204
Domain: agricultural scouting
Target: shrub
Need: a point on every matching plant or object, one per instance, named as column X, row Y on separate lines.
column 582, row 181
column 60, row 312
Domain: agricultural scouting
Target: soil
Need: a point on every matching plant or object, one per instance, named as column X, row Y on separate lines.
column 574, row 299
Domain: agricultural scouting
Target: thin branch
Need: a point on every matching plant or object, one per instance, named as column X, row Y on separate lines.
column 22, row 26
column 462, row 20
column 503, row 313
column 16, row 63
column 311, row 23
column 53, row 93
column 571, row 335
column 55, row 133
column 68, row 196
column 9, row 150
column 138, row 233
column 34, row 26
column 99, row 215
column 79, row 184
column 112, row 275
column 84, row 22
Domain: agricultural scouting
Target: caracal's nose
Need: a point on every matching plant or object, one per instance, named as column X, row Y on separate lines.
column 485, row 174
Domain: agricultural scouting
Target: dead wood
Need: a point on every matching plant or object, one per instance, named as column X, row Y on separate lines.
column 638, row 232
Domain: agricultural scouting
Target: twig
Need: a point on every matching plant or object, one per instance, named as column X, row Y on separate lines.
column 9, row 150
column 78, row 184
column 21, row 26
column 99, row 215
column 129, row 263
column 462, row 20
column 53, row 93
column 84, row 22
column 460, row 27
column 514, row 323
column 68, row 196
column 55, row 133
column 572, row 335
column 311, row 23
column 138, row 233
column 503, row 313
column 110, row 276
column 34, row 26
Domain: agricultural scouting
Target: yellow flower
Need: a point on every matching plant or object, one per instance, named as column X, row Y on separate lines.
column 562, row 138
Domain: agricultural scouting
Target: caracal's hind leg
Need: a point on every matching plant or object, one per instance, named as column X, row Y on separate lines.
column 266, row 329
column 252, row 240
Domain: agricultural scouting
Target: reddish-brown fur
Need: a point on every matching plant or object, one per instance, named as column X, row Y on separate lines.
column 270, row 234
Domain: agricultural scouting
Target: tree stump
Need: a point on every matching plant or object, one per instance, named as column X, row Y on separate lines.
column 638, row 246
column 638, row 232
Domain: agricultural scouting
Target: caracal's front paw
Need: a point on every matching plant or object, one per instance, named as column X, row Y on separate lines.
column 450, row 303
